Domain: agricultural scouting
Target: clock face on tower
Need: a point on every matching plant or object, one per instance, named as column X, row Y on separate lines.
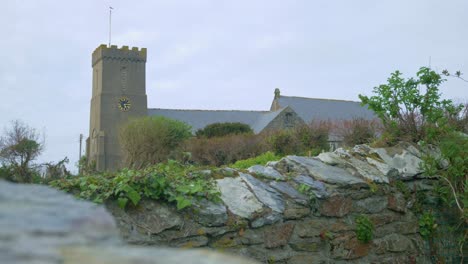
column 124, row 104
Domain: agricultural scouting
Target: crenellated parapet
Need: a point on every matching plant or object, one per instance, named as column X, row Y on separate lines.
column 104, row 52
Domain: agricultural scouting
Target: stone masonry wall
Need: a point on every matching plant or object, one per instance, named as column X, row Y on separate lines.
column 264, row 216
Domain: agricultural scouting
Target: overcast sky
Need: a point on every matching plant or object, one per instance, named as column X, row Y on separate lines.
column 218, row 54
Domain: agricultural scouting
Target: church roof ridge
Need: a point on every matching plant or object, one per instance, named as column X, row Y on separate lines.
column 324, row 99
column 212, row 110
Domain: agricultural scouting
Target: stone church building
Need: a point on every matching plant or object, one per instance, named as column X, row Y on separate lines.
column 119, row 93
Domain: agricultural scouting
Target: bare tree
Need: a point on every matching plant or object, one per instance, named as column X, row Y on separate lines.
column 19, row 146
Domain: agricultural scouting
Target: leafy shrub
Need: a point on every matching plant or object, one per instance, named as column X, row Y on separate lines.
column 225, row 150
column 6, row 173
column 169, row 181
column 301, row 140
column 19, row 147
column 285, row 143
column 364, row 229
column 150, row 140
column 314, row 135
column 224, row 129
column 412, row 108
column 453, row 179
column 358, row 131
column 459, row 121
column 56, row 170
column 85, row 167
column 258, row 160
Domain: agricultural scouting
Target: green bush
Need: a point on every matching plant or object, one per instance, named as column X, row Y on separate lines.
column 301, row 140
column 285, row 143
column 169, row 181
column 150, row 140
column 19, row 147
column 412, row 109
column 313, row 135
column 218, row 151
column 258, row 160
column 358, row 131
column 364, row 229
column 6, row 173
column 224, row 129
column 453, row 182
column 85, row 167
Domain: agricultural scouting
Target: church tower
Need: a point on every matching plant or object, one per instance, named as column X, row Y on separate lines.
column 119, row 93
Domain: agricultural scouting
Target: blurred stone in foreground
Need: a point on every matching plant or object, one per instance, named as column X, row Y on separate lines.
column 41, row 225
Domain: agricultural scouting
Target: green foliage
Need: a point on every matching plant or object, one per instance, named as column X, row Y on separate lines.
column 453, row 185
column 19, row 147
column 262, row 159
column 224, row 129
column 374, row 187
column 427, row 225
column 401, row 186
column 6, row 173
column 313, row 135
column 218, row 151
column 308, row 139
column 359, row 131
column 85, row 167
column 364, row 228
column 150, row 140
column 169, row 181
column 307, row 191
column 56, row 170
column 326, row 235
column 412, row 108
column 285, row 143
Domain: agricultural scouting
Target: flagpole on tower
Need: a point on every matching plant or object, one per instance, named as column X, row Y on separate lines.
column 110, row 24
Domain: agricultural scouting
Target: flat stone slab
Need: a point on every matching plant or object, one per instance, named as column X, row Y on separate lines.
column 331, row 158
column 267, row 172
column 288, row 190
column 407, row 164
column 266, row 194
column 267, row 220
column 317, row 187
column 209, row 213
column 323, row 172
column 238, row 198
column 361, row 164
column 343, row 159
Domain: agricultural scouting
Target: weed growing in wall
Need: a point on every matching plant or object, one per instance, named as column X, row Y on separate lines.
column 364, row 229
column 307, row 190
column 427, row 225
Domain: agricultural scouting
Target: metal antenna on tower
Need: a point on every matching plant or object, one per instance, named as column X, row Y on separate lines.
column 110, row 24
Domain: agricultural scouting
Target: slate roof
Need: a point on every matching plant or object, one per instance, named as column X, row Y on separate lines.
column 198, row 119
column 325, row 109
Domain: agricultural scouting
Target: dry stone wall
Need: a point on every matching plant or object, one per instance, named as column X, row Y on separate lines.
column 297, row 210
